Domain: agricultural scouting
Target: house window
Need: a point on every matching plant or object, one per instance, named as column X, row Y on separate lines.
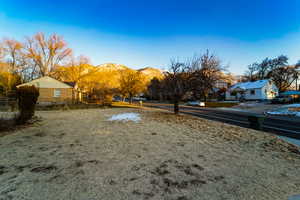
column 233, row 93
column 252, row 92
column 57, row 93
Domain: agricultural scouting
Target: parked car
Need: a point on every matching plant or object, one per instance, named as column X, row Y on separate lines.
column 117, row 99
column 282, row 99
column 139, row 99
column 196, row 103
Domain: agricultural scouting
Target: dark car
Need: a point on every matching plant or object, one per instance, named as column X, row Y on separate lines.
column 282, row 99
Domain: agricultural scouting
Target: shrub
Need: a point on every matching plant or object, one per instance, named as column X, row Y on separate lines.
column 27, row 98
column 102, row 96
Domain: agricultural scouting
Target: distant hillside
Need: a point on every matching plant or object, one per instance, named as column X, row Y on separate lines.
column 149, row 72
column 112, row 67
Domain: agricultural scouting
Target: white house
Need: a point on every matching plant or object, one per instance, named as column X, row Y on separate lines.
column 257, row 90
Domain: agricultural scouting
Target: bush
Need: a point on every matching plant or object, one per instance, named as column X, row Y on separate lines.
column 102, row 96
column 27, row 98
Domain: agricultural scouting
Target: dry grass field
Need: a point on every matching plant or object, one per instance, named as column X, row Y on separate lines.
column 80, row 154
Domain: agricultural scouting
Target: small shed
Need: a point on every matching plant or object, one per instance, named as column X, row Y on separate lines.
column 52, row 90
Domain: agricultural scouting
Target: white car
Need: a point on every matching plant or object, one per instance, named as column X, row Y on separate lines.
column 196, row 103
column 139, row 99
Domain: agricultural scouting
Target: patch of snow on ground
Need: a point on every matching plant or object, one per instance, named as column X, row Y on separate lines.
column 233, row 109
column 285, row 110
column 289, row 113
column 295, row 105
column 291, row 140
column 248, row 104
column 125, row 117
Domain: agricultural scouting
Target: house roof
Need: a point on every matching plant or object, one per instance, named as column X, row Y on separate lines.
column 72, row 84
column 46, row 82
column 250, row 85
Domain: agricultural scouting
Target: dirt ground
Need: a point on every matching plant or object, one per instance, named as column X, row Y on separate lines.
column 79, row 154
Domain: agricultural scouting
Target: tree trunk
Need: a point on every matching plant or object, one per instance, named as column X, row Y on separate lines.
column 205, row 97
column 160, row 97
column 176, row 107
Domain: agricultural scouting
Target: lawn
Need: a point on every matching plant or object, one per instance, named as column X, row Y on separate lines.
column 80, row 154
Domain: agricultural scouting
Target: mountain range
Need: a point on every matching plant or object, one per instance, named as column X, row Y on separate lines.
column 149, row 72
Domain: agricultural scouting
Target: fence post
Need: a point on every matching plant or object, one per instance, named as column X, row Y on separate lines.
column 256, row 121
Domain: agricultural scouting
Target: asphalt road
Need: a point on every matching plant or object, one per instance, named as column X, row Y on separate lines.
column 283, row 126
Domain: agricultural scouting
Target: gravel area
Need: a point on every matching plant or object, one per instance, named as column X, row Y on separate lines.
column 80, row 154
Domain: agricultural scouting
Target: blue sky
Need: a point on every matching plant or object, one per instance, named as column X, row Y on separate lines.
column 141, row 33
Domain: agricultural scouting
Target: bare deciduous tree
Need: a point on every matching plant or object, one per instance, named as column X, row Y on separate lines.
column 14, row 63
column 250, row 74
column 197, row 76
column 176, row 83
column 284, row 77
column 276, row 69
column 154, row 89
column 263, row 69
column 46, row 53
column 206, row 71
column 13, row 55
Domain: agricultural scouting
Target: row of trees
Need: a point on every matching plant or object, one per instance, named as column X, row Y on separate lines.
column 194, row 78
column 276, row 69
column 102, row 83
column 39, row 55
column 34, row 57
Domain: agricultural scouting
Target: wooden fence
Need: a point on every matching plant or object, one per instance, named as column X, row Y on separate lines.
column 9, row 102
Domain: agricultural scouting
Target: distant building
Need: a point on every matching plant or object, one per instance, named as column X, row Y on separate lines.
column 221, row 84
column 239, row 78
column 54, row 91
column 257, row 90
